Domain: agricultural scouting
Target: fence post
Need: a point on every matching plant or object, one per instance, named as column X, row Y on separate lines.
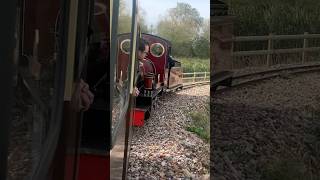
column 194, row 76
column 232, row 49
column 270, row 47
column 205, row 76
column 305, row 45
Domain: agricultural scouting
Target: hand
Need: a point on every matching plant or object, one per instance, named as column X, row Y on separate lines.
column 136, row 91
column 86, row 95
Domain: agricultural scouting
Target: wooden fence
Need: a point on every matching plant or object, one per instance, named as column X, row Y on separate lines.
column 271, row 53
column 195, row 77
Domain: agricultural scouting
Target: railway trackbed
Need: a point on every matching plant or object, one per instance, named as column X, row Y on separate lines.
column 256, row 77
column 164, row 148
column 261, row 128
column 191, row 85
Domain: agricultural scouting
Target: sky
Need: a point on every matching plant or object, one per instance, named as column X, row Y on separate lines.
column 155, row 8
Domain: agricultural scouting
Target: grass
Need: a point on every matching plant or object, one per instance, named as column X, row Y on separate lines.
column 200, row 124
column 194, row 64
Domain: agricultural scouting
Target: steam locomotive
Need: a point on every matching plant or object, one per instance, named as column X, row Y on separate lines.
column 55, row 45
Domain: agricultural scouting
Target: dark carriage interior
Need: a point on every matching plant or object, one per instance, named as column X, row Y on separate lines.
column 95, row 124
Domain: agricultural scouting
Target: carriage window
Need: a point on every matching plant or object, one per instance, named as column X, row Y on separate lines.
column 125, row 46
column 34, row 115
column 122, row 61
column 157, row 49
column 125, row 13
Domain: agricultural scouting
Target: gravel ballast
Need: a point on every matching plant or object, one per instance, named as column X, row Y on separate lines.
column 257, row 127
column 163, row 148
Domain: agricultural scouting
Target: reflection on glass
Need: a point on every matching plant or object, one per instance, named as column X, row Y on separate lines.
column 121, row 86
column 157, row 49
column 125, row 46
column 33, row 96
column 125, row 13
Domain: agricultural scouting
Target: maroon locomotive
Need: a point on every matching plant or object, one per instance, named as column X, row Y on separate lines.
column 159, row 72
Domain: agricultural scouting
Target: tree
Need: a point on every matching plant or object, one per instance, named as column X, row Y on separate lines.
column 125, row 17
column 275, row 16
column 201, row 47
column 181, row 26
column 206, row 29
column 142, row 21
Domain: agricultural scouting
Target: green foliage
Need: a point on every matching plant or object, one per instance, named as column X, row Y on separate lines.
column 183, row 49
column 201, row 47
column 200, row 132
column 275, row 16
column 200, row 124
column 181, row 23
column 194, row 64
column 206, row 29
column 125, row 18
column 183, row 26
column 142, row 21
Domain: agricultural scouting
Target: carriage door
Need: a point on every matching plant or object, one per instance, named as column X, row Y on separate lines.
column 73, row 29
column 95, row 132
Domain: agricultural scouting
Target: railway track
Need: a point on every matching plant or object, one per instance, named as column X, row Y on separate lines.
column 191, row 85
column 188, row 86
column 256, row 77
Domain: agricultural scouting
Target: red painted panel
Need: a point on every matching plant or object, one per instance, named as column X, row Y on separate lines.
column 123, row 60
column 94, row 167
column 138, row 119
column 159, row 62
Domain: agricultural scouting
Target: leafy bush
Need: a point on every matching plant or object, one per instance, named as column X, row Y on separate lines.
column 194, row 64
column 275, row 16
column 201, row 47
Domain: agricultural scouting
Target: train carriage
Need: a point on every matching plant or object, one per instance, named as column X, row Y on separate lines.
column 57, row 46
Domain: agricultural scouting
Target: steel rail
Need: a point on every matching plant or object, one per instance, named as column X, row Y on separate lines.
column 257, row 77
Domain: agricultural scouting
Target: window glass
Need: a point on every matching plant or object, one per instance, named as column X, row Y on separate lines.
column 33, row 112
column 121, row 76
